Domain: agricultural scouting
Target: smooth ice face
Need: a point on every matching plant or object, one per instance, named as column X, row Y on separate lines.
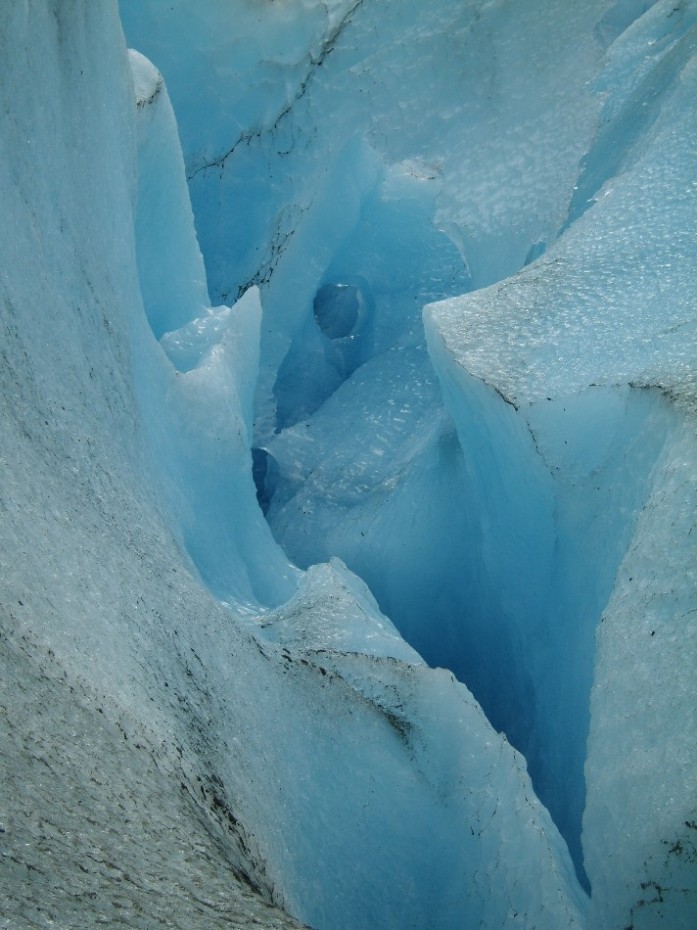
column 198, row 409
column 172, row 280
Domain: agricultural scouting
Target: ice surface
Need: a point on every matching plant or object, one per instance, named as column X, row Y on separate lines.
column 492, row 534
column 204, row 453
column 499, row 485
column 432, row 786
column 96, row 592
column 350, row 621
column 278, row 196
column 642, row 781
column 94, row 829
column 96, row 823
column 620, row 281
column 198, row 414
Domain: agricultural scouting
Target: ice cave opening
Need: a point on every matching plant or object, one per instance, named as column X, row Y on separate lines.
column 334, row 340
column 336, row 309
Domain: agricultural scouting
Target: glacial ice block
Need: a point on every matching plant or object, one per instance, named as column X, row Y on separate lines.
column 289, row 85
column 95, row 591
column 108, row 615
column 293, row 114
column 612, row 301
column 640, row 823
column 207, row 452
column 586, row 358
column 304, row 755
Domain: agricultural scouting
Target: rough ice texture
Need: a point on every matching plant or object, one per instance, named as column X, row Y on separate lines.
column 641, row 755
column 98, row 825
column 613, row 301
column 106, row 802
column 447, row 777
column 338, row 185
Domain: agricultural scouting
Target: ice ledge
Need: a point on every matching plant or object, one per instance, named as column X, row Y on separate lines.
column 147, row 80
column 612, row 301
column 334, row 610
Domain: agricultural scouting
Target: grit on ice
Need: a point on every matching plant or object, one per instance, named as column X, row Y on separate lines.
column 348, row 464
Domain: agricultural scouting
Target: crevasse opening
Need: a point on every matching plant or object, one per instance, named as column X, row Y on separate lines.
column 490, row 545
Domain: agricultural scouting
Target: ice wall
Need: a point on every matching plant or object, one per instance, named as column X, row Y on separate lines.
column 198, row 410
column 290, row 746
column 172, row 279
column 98, row 601
column 356, row 178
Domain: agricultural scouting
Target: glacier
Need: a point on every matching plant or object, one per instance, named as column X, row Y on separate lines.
column 349, row 469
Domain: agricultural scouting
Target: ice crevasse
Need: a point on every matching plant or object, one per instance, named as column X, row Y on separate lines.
column 348, row 464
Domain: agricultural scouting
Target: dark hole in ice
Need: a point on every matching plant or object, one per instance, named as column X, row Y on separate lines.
column 265, row 474
column 330, row 345
column 336, row 308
